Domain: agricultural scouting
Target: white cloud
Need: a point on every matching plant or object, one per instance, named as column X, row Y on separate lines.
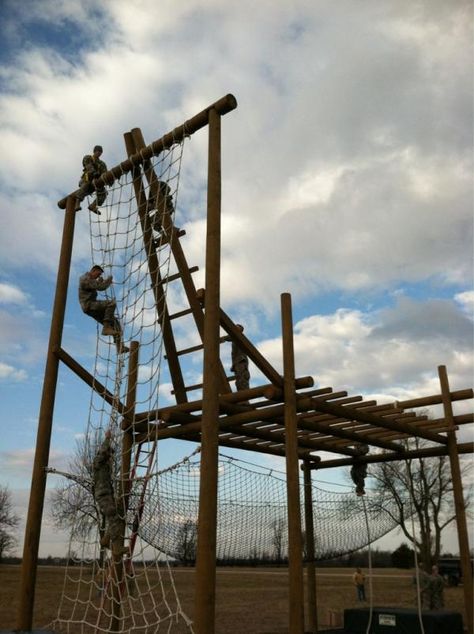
column 10, row 294
column 8, row 372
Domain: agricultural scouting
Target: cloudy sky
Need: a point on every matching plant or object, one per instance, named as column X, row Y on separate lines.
column 347, row 181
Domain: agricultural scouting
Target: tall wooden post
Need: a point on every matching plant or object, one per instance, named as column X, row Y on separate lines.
column 312, row 611
column 204, row 608
column 45, row 423
column 125, row 484
column 295, row 546
column 459, row 505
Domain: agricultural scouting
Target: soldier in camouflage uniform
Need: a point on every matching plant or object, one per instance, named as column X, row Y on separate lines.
column 93, row 167
column 159, row 202
column 359, row 471
column 240, row 365
column 424, row 589
column 436, row 589
column 105, row 499
column 102, row 310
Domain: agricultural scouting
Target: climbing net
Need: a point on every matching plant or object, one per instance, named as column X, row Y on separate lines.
column 133, row 592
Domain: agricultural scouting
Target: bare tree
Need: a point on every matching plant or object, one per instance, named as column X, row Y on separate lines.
column 187, row 542
column 421, row 488
column 8, row 522
column 278, row 527
column 72, row 503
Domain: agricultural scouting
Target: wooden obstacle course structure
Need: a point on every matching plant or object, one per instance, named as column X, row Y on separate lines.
column 286, row 416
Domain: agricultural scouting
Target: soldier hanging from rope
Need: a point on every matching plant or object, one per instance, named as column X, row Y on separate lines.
column 359, row 469
column 93, row 167
column 103, row 310
column 240, row 365
column 105, row 498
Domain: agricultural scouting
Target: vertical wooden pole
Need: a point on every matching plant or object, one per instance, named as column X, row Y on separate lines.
column 312, row 610
column 204, row 609
column 118, row 585
column 45, row 423
column 295, row 549
column 127, row 439
column 459, row 505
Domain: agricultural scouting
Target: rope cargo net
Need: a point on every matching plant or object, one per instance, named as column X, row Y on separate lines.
column 141, row 583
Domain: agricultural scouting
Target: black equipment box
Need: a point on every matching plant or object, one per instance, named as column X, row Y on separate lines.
column 401, row 621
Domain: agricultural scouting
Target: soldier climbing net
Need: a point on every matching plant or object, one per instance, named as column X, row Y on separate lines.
column 135, row 592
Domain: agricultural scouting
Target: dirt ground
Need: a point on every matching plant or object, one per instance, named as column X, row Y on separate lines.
column 249, row 600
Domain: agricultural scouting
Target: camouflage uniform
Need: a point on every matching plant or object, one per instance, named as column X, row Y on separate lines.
column 436, row 587
column 93, row 168
column 424, row 589
column 103, row 310
column 104, row 497
column 359, row 471
column 160, row 200
column 240, row 367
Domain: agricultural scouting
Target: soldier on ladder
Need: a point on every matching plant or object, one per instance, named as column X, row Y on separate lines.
column 93, row 167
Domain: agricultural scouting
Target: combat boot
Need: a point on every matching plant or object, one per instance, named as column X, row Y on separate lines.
column 93, row 207
column 109, row 330
column 122, row 348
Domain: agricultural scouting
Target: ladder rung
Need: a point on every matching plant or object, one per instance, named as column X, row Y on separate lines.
column 176, row 276
column 199, row 386
column 198, row 347
column 181, row 313
column 162, row 240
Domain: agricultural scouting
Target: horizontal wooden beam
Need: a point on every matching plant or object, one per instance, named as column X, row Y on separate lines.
column 231, row 397
column 428, row 452
column 91, row 381
column 222, row 106
column 434, row 399
column 352, row 413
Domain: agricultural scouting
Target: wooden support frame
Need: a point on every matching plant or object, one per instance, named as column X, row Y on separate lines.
column 45, row 424
column 295, row 545
column 311, row 596
column 288, row 423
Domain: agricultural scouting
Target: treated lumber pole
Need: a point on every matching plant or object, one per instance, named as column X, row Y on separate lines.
column 231, row 397
column 205, row 594
column 45, row 423
column 377, row 421
column 434, row 399
column 125, row 485
column 312, row 609
column 222, row 106
column 459, row 503
column 428, row 452
column 90, row 380
column 156, row 281
column 295, row 546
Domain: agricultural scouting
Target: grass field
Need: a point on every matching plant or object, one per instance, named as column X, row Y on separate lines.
column 249, row 600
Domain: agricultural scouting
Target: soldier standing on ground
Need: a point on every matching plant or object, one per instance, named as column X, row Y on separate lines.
column 436, row 586
column 240, row 365
column 93, row 167
column 359, row 470
column 105, row 498
column 359, row 581
column 102, row 310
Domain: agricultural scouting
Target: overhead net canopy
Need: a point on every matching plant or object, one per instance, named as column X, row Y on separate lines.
column 252, row 515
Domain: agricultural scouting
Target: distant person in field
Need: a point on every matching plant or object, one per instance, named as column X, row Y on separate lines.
column 359, row 581
column 240, row 365
column 359, row 470
column 93, row 167
column 102, row 310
